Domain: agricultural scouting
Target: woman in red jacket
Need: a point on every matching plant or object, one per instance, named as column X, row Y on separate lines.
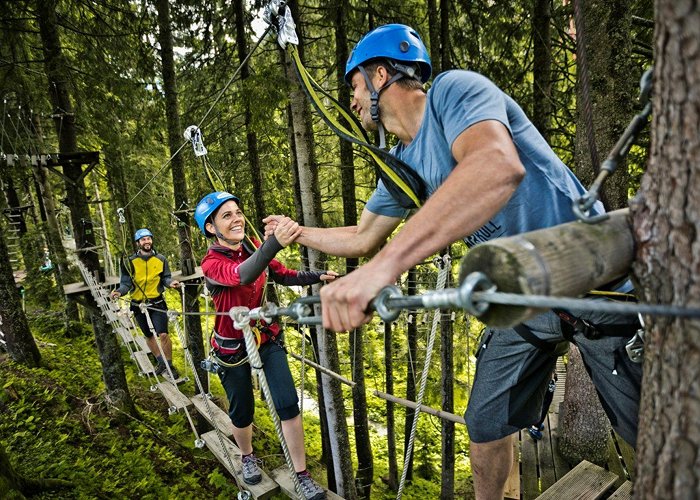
column 236, row 274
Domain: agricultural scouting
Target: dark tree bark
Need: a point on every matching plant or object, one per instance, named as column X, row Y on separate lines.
column 603, row 52
column 363, row 445
column 447, row 484
column 666, row 217
column 614, row 83
column 20, row 342
column 56, row 69
column 310, row 202
column 251, row 136
column 193, row 325
column 541, row 66
column 15, row 485
column 393, row 480
column 412, row 342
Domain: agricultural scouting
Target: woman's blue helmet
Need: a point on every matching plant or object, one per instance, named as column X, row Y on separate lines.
column 142, row 233
column 398, row 42
column 208, row 206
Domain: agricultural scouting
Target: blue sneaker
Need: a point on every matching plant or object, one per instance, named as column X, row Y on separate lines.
column 535, row 433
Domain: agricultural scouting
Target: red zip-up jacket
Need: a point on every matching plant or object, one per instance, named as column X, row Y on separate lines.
column 220, row 267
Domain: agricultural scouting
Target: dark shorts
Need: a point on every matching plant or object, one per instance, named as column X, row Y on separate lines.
column 512, row 376
column 237, row 382
column 157, row 311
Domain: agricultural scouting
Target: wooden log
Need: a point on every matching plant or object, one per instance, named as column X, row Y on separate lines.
column 425, row 409
column 565, row 260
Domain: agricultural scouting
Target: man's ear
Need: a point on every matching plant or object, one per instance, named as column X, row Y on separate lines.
column 382, row 74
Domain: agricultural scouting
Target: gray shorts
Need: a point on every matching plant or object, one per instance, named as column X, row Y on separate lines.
column 512, row 376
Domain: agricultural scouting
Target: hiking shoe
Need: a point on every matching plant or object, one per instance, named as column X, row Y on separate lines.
column 251, row 471
column 174, row 371
column 310, row 488
column 535, row 433
column 160, row 367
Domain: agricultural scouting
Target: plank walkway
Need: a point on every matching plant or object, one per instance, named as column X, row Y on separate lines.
column 217, row 440
column 542, row 473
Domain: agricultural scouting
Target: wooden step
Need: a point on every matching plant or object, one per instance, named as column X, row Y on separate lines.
column 624, row 492
column 173, row 396
column 284, row 479
column 221, row 419
column 141, row 342
column 264, row 489
column 144, row 362
column 586, row 481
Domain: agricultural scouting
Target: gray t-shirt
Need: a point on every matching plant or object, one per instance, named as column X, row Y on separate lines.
column 457, row 100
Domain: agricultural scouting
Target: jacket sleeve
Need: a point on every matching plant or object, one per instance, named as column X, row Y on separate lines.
column 284, row 276
column 125, row 282
column 166, row 277
column 259, row 260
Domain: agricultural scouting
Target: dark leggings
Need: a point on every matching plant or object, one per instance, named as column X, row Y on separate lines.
column 237, row 382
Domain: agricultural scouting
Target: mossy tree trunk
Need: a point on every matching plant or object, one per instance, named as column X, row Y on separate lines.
column 19, row 339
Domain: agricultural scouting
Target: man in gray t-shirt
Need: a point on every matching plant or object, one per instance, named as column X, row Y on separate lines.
column 486, row 173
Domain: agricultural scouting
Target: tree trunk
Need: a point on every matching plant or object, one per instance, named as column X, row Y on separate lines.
column 447, row 483
column 251, row 136
column 603, row 36
column 363, row 445
column 20, row 342
column 393, row 480
column 613, row 90
column 666, row 216
column 541, row 64
column 193, row 325
column 15, row 485
column 411, row 362
column 56, row 69
column 584, row 426
column 328, row 350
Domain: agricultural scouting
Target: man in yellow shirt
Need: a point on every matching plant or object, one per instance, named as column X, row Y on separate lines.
column 146, row 275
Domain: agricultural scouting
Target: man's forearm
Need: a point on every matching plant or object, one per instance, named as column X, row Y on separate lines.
column 338, row 241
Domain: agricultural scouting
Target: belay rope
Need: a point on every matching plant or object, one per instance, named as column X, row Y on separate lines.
column 405, row 186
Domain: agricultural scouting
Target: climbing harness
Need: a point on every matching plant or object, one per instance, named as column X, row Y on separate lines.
column 584, row 204
column 399, row 179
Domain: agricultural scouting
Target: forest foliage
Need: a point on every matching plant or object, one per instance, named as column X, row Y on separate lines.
column 52, row 419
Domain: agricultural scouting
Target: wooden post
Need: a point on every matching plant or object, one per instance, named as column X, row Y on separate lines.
column 565, row 260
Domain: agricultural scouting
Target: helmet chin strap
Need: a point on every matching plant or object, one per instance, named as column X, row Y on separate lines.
column 221, row 237
column 374, row 99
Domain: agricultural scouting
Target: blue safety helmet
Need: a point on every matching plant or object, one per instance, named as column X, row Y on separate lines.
column 142, row 233
column 397, row 42
column 208, row 205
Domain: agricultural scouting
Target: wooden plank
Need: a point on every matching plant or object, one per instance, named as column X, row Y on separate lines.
column 628, row 455
column 586, row 481
column 614, row 463
column 546, row 452
column 141, row 342
column 624, row 492
column 561, row 467
column 173, row 396
column 125, row 335
column 144, row 363
column 528, row 467
column 266, row 488
column 221, row 419
column 284, row 479
column 512, row 487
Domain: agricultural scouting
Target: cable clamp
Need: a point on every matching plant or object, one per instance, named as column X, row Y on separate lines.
column 388, row 314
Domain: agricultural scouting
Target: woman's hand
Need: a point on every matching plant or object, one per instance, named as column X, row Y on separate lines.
column 328, row 276
column 287, row 231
